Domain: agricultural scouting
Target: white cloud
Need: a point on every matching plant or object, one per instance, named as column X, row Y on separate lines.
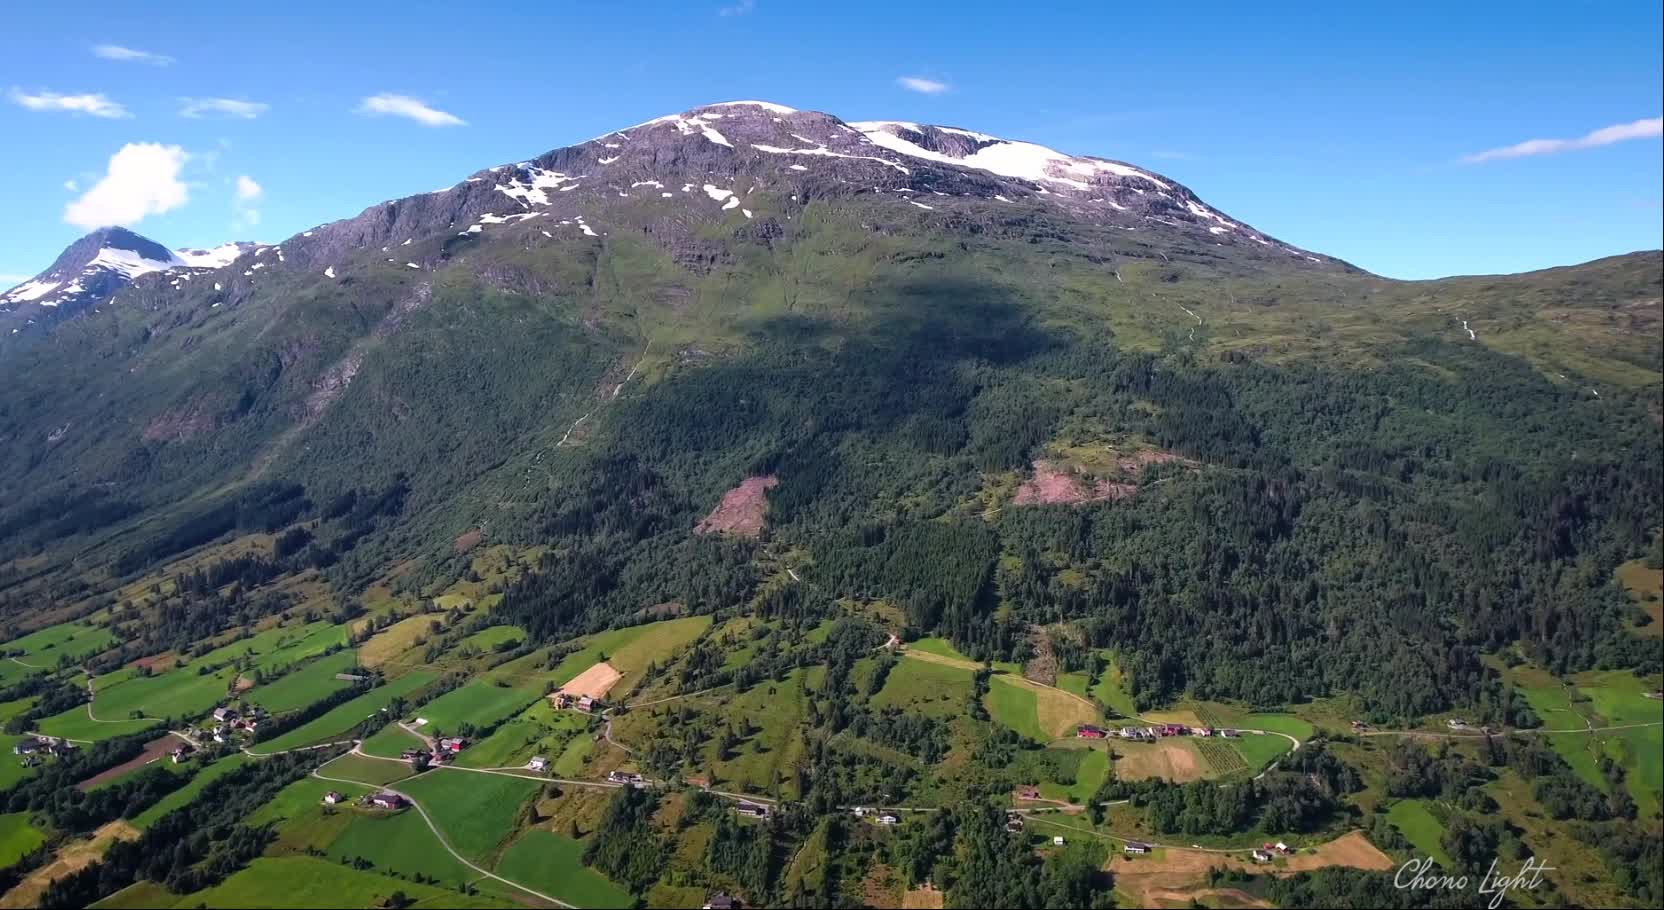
column 230, row 107
column 738, row 9
column 922, row 85
column 129, row 55
column 142, row 179
column 390, row 105
column 1621, row 132
column 95, row 104
column 247, row 193
column 247, row 189
column 71, row 185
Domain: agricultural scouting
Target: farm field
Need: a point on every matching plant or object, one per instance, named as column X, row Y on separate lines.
column 139, row 896
column 398, row 842
column 1174, row 759
column 304, row 685
column 630, row 649
column 482, row 704
column 314, row 640
column 1110, row 689
column 925, row 687
column 18, row 836
column 44, row 648
column 1014, row 706
column 155, row 752
column 490, row 638
column 344, row 717
column 393, row 641
column 1420, row 827
column 1258, row 751
column 391, row 741
column 304, row 881
column 476, row 811
column 538, row 730
column 11, row 764
column 368, row 770
column 301, row 800
column 183, row 796
column 554, row 865
column 76, row 725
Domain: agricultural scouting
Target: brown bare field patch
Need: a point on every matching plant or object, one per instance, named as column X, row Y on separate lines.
column 1351, row 849
column 594, row 682
column 71, row 858
column 881, row 888
column 925, row 898
column 159, row 663
column 1060, row 712
column 1215, row 897
column 1169, row 759
column 154, row 750
column 467, row 540
column 1176, row 874
column 1185, row 716
column 741, row 509
column 1054, row 483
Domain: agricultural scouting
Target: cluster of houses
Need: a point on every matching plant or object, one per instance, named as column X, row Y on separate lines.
column 1157, row 731
column 385, row 800
column 883, row 818
column 445, row 748
column 32, row 747
column 585, row 703
column 229, row 723
column 1265, row 853
column 182, row 753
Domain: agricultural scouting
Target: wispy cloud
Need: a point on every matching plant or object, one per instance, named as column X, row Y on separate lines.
column 1172, row 156
column 390, row 105
column 130, row 55
column 922, row 85
column 196, row 108
column 96, row 105
column 247, row 189
column 1621, row 132
column 738, row 9
column 248, row 192
column 141, row 180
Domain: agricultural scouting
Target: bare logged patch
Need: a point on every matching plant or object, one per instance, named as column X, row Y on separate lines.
column 1174, row 874
column 926, row 898
column 882, row 888
column 1352, row 849
column 741, row 509
column 1056, row 484
column 72, row 858
column 153, row 751
column 467, row 541
column 1215, row 897
column 594, row 682
column 158, row 663
column 1171, row 760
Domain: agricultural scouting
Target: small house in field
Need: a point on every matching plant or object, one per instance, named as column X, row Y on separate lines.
column 224, row 715
column 722, row 902
column 334, row 798
column 587, row 703
column 1202, row 731
column 562, row 701
column 1283, row 848
column 1028, row 793
column 182, row 752
column 860, row 811
column 1261, row 856
column 538, row 763
column 387, row 801
column 1229, row 733
column 1088, row 731
column 1456, row 723
column 889, row 818
column 1135, row 848
column 452, row 744
column 1057, row 840
column 753, row 810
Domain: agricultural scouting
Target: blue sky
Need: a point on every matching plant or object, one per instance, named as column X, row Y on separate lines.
column 1344, row 130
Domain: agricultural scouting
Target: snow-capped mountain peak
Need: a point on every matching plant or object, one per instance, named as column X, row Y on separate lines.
column 99, row 265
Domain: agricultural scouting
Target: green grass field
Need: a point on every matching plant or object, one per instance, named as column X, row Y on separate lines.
column 75, row 724
column 390, row 741
column 369, row 770
column 554, row 865
column 302, row 644
column 185, row 795
column 1111, row 692
column 1420, row 827
column 11, row 709
column 398, row 842
column 488, row 639
column 482, row 704
column 629, row 650
column 941, row 647
column 476, row 811
column 1620, row 698
column 538, row 730
column 938, row 690
column 300, row 800
column 1259, row 751
column 1281, row 723
column 11, row 764
column 139, row 896
column 307, row 684
column 304, row 881
column 570, row 763
column 1014, row 706
column 18, row 836
column 43, row 648
column 179, row 693
column 344, row 717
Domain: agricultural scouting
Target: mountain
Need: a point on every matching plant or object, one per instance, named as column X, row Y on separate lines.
column 981, row 384
column 92, row 270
